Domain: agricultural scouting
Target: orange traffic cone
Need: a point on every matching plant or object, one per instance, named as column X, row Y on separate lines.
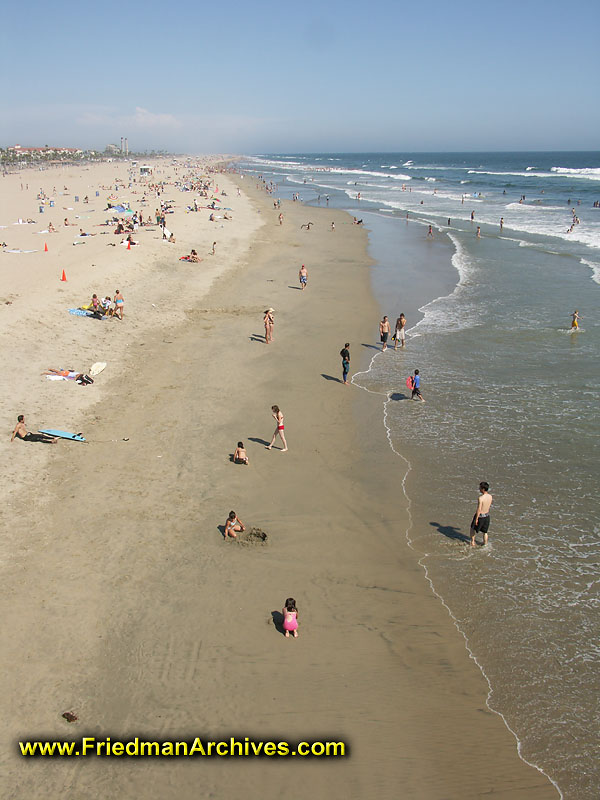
column 129, row 244
column 64, row 277
column 45, row 247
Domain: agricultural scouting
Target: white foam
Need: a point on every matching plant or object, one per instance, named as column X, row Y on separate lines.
column 595, row 267
column 590, row 173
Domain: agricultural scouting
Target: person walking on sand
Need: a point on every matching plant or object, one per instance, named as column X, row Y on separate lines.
column 333, row 227
column 415, row 386
column 233, row 525
column 345, row 354
column 289, row 613
column 303, row 276
column 278, row 417
column 119, row 302
column 384, row 332
column 481, row 519
column 269, row 321
column 399, row 333
column 575, row 320
column 281, row 219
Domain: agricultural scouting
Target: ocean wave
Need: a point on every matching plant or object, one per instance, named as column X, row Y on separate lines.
column 372, row 173
column 595, row 267
column 590, row 173
column 522, row 174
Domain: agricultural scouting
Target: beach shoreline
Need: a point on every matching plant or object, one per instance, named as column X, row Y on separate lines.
column 148, row 621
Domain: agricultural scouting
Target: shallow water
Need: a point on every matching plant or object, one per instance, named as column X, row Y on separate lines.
column 512, row 398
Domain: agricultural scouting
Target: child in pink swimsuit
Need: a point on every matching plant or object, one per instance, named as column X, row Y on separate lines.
column 290, row 617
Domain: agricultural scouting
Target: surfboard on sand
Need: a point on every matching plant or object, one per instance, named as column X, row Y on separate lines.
column 75, row 437
column 97, row 368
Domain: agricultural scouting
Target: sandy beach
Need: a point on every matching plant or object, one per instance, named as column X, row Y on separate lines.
column 122, row 601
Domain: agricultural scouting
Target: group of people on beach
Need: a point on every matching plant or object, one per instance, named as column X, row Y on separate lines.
column 107, row 306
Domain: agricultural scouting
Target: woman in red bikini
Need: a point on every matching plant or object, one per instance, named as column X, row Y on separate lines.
column 278, row 417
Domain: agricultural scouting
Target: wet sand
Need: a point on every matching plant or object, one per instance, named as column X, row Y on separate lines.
column 126, row 606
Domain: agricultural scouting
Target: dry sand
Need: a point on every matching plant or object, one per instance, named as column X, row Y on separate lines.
column 124, row 605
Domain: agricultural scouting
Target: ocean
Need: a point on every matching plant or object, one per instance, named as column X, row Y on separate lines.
column 512, row 398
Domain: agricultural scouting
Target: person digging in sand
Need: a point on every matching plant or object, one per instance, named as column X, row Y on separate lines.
column 233, row 525
column 290, row 618
column 240, row 457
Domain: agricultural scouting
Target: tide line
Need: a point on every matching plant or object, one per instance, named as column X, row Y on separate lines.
column 423, row 565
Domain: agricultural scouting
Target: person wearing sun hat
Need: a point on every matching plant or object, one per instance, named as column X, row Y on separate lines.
column 269, row 321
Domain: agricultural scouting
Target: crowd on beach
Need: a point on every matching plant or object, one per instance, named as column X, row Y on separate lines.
column 200, row 180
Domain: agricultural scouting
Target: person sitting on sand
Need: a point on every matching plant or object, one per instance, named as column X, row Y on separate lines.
column 233, row 525
column 20, row 432
column 51, row 228
column 227, row 215
column 239, row 456
column 171, row 239
column 195, row 257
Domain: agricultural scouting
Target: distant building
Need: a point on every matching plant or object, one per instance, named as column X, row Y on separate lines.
column 44, row 151
column 112, row 148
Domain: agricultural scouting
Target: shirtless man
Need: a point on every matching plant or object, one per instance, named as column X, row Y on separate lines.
column 399, row 333
column 481, row 519
column 303, row 276
column 21, row 432
column 384, row 332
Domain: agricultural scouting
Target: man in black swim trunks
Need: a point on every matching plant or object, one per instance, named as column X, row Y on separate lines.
column 481, row 518
column 20, row 431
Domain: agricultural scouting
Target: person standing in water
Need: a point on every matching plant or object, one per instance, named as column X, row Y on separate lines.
column 481, row 519
column 501, row 224
column 278, row 417
column 384, row 332
column 399, row 333
column 575, row 320
column 415, row 386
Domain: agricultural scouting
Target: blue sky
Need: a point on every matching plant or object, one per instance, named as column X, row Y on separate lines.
column 244, row 77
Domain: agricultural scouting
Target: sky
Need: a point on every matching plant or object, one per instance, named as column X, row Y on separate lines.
column 281, row 77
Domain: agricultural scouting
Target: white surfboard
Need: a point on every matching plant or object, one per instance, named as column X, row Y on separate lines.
column 97, row 368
